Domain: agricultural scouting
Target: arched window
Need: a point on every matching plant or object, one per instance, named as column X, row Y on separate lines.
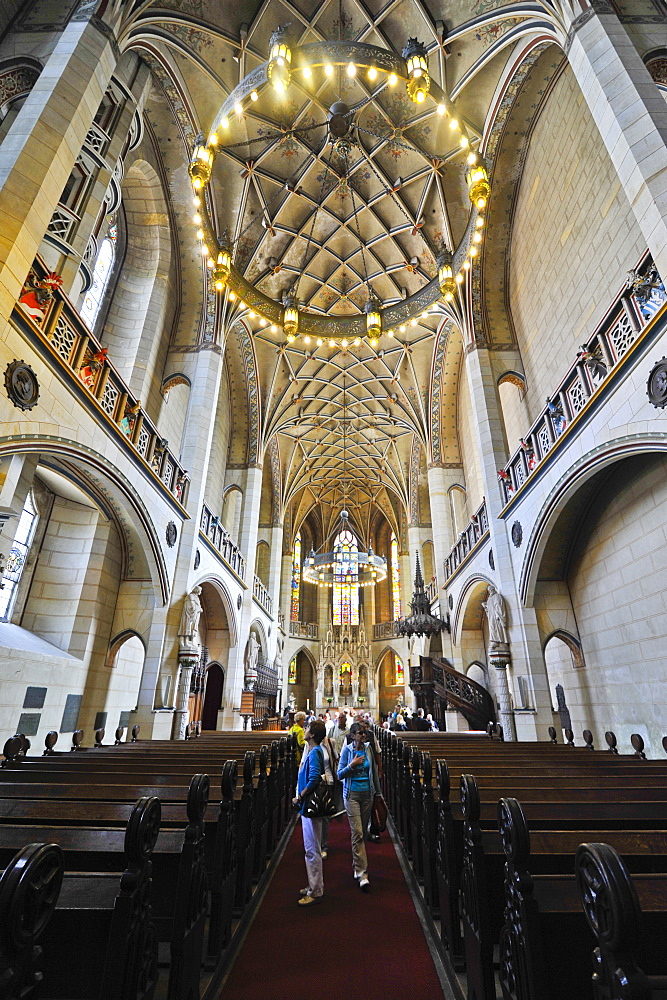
column 296, row 579
column 101, row 274
column 16, row 559
column 400, row 672
column 395, row 582
column 346, row 580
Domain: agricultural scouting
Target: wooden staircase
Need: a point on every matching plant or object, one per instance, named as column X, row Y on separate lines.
column 439, row 686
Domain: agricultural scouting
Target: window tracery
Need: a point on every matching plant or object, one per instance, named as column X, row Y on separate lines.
column 346, row 579
column 101, row 274
column 395, row 580
column 296, row 579
column 17, row 557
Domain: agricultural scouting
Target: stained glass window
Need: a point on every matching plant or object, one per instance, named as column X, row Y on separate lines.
column 400, row 672
column 296, row 578
column 16, row 559
column 291, row 677
column 395, row 581
column 346, row 580
column 101, row 274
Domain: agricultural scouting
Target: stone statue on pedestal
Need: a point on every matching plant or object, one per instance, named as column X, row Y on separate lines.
column 496, row 614
column 250, row 662
column 188, row 628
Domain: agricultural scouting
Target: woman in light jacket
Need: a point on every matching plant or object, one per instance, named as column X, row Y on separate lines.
column 358, row 772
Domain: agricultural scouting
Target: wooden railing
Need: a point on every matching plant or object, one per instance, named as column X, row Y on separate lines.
column 385, row 630
column 49, row 315
column 261, row 595
column 304, row 630
column 211, row 527
column 268, row 681
column 474, row 532
column 599, row 356
column 439, row 678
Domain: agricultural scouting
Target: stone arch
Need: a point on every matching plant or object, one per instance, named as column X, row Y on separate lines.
column 468, row 606
column 118, row 641
column 257, row 627
column 18, row 76
column 263, row 561
column 213, row 694
column 573, row 644
column 479, row 673
column 114, row 493
column 137, row 304
column 458, row 499
column 227, row 602
column 569, row 496
column 122, row 681
column 232, row 505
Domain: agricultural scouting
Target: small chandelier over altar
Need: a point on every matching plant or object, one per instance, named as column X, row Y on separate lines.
column 346, row 563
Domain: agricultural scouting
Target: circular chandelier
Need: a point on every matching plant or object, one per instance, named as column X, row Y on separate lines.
column 313, row 63
column 346, row 563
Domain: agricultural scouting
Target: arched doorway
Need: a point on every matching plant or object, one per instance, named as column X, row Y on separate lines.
column 215, row 682
column 301, row 680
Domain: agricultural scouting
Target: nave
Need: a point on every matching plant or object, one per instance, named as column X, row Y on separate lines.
column 527, row 861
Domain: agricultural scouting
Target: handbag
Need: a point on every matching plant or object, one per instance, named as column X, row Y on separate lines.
column 321, row 802
column 379, row 815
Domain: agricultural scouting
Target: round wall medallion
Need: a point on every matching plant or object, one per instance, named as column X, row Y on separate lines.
column 656, row 386
column 170, row 534
column 450, row 601
column 197, row 558
column 21, row 385
column 239, row 602
column 492, row 561
column 517, row 533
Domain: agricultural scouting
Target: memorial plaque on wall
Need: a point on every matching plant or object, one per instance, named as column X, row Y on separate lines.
column 29, row 723
column 34, row 697
column 71, row 713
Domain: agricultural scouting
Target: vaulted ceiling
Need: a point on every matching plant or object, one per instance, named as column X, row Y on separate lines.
column 336, row 224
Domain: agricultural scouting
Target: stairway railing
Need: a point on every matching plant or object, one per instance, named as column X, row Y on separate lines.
column 437, row 678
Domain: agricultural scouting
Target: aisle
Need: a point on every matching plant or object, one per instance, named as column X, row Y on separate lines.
column 371, row 943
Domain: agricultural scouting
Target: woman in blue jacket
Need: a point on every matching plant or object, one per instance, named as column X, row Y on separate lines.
column 358, row 772
column 310, row 772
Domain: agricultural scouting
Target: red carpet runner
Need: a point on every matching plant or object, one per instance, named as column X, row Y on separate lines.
column 371, row 944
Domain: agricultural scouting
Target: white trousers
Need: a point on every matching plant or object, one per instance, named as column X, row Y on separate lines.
column 312, row 839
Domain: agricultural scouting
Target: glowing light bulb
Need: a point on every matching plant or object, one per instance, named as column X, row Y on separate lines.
column 196, row 183
column 473, row 251
column 200, row 234
column 251, row 314
column 420, row 97
column 307, row 72
column 344, row 343
column 290, row 338
column 424, row 314
column 357, row 342
column 279, row 86
column 454, row 124
column 213, row 139
column 274, row 328
column 472, row 159
column 254, row 96
column 262, row 322
column 413, row 322
column 390, row 333
column 448, row 297
column 232, row 296
column 459, row 278
column 372, row 73
column 224, row 123
column 332, row 343
column 209, row 262
column 481, row 203
column 328, row 69
column 306, row 340
column 373, row 343
column 205, row 250
column 196, row 202
column 351, row 70
column 466, row 265
column 480, row 222
column 402, row 328
column 393, row 80
column 477, row 237
column 441, row 109
column 319, row 342
column 196, row 218
column 238, row 108
column 464, row 142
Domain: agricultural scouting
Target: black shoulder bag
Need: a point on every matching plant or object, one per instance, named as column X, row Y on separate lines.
column 321, row 801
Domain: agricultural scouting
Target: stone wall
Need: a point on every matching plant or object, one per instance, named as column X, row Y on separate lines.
column 573, row 240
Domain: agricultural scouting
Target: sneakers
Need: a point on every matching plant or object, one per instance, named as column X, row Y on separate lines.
column 304, row 892
column 364, row 884
column 309, row 900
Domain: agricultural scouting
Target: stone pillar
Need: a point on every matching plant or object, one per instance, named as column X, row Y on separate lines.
column 630, row 114
column 41, row 147
column 187, row 661
column 252, row 497
column 527, row 657
column 440, row 481
column 499, row 658
column 273, row 584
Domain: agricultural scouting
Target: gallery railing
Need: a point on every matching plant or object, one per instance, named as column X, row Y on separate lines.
column 211, row 527
column 261, row 595
column 304, row 630
column 472, row 534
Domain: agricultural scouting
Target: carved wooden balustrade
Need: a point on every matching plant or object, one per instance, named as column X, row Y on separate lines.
column 261, row 595
column 474, row 532
column 61, row 334
column 385, row 630
column 627, row 318
column 436, row 680
column 304, row 630
column 212, row 528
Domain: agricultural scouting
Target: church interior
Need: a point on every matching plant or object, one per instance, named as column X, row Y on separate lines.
column 332, row 343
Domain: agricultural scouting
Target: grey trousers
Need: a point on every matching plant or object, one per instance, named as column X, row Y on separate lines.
column 312, row 835
column 359, row 806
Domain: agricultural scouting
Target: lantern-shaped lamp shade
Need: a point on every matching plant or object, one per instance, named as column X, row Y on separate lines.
column 446, row 276
column 200, row 165
column 373, row 320
column 290, row 317
column 279, row 69
column 479, row 188
column 419, row 82
column 222, row 268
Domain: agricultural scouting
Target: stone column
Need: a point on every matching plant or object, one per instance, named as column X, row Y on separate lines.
column 252, row 497
column 41, row 147
column 630, row 114
column 440, row 480
column 499, row 657
column 273, row 585
column 187, row 661
column 527, row 657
